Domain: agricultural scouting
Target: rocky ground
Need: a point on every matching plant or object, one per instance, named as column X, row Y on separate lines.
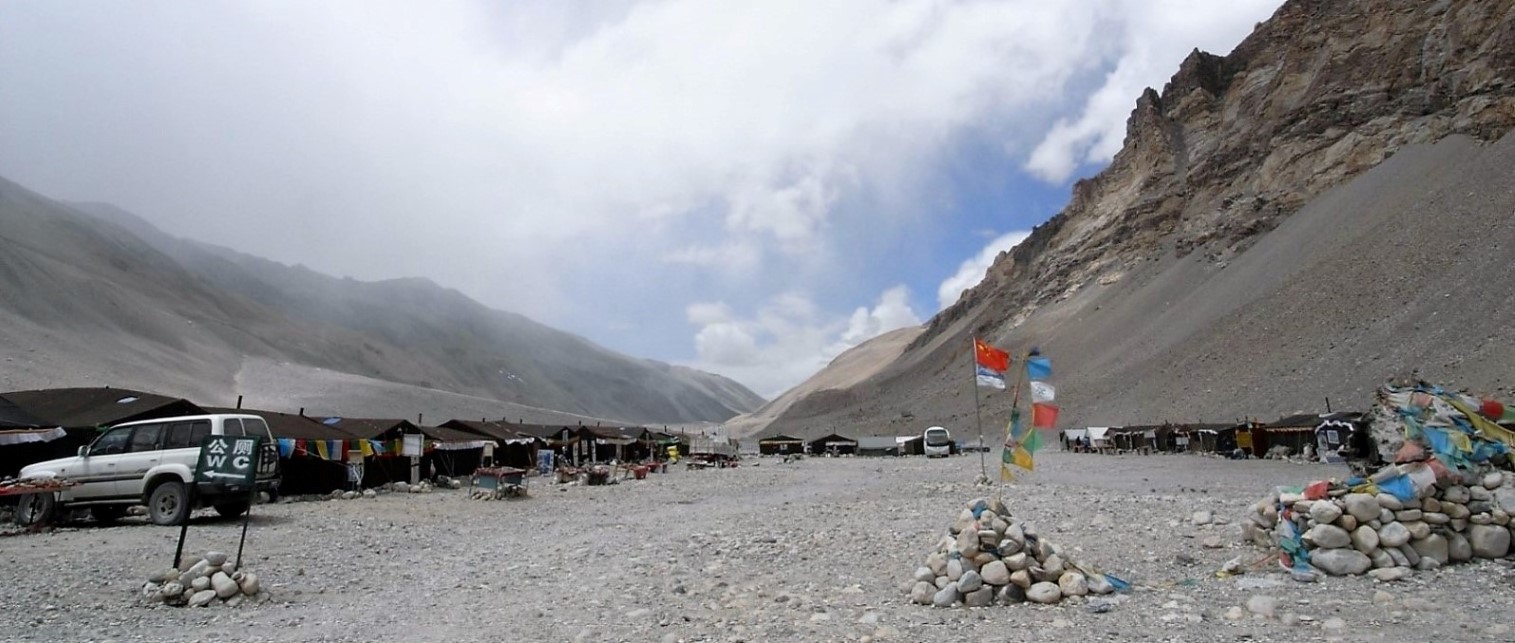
column 815, row 550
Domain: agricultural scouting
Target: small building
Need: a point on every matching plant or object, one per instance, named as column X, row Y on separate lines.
column 1289, row 435
column 834, row 444
column 780, row 445
column 1341, row 437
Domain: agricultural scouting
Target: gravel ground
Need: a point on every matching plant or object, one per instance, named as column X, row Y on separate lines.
column 816, row 550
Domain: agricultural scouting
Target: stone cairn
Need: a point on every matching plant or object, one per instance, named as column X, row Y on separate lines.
column 1331, row 529
column 990, row 557
column 198, row 582
column 1444, row 500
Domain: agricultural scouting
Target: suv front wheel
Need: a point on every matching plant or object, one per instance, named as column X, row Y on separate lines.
column 168, row 504
column 35, row 509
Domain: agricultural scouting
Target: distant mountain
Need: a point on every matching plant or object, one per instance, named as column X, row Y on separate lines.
column 1326, row 207
column 97, row 295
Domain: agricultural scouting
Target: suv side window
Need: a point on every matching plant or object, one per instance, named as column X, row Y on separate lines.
column 177, row 436
column 256, row 427
column 231, row 426
column 197, row 432
column 146, row 437
column 113, row 441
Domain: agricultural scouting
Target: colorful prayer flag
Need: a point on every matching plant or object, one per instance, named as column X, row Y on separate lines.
column 1023, row 459
column 321, row 450
column 1032, row 442
column 1043, row 392
column 365, row 447
column 1039, row 368
column 1043, row 415
column 990, row 378
column 990, row 357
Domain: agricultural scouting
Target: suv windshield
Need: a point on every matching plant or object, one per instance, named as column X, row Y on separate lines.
column 938, row 438
column 113, row 441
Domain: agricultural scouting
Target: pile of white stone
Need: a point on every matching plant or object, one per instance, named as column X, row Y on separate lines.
column 990, row 557
column 1461, row 517
column 198, row 582
column 502, row 492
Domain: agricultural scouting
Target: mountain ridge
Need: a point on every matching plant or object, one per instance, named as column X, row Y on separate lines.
column 410, row 331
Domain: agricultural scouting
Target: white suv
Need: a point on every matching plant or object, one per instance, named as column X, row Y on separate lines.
column 149, row 462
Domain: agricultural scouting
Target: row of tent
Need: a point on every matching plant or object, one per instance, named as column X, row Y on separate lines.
column 316, row 451
column 1326, row 434
column 836, row 444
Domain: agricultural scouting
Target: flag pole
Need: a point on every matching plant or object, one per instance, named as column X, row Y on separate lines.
column 983, row 467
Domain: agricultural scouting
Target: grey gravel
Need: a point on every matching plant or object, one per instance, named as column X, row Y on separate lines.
column 752, row 553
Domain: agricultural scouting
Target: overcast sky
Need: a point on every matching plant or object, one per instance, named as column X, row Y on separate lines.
column 747, row 188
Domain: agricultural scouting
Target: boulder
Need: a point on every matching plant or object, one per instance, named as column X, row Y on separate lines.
column 1364, row 539
column 1328, row 536
column 970, row 582
column 996, row 573
column 1393, row 535
column 922, row 593
column 947, row 596
column 1433, row 546
column 202, row 598
column 1044, row 593
column 224, row 586
column 1324, row 511
column 1362, row 506
column 249, row 584
column 1017, row 562
column 954, row 569
column 1489, row 541
column 1341, row 562
column 1072, row 584
column 981, row 597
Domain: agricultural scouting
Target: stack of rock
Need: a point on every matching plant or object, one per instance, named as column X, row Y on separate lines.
column 405, row 487
column 499, row 493
column 352, row 495
column 1459, row 517
column 990, row 557
column 199, row 582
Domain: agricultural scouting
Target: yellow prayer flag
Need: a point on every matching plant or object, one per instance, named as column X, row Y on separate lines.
column 1023, row 459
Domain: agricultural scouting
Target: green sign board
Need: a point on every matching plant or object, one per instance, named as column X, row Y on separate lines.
column 228, row 460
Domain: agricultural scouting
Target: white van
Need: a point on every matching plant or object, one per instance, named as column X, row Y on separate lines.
column 149, row 462
column 938, row 442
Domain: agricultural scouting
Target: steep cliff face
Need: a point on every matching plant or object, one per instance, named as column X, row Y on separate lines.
column 1155, row 255
column 1317, row 94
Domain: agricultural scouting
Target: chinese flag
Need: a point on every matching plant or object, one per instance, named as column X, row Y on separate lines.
column 1043, row 415
column 990, row 357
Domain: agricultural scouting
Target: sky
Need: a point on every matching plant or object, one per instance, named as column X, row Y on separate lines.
column 745, row 188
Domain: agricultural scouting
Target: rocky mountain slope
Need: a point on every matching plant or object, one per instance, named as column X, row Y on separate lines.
column 97, row 296
column 1250, row 251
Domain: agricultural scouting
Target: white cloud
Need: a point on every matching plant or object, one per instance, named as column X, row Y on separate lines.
column 1155, row 36
column 539, row 154
column 973, row 269
column 788, row 339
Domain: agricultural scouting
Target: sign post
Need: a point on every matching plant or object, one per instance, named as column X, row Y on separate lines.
column 225, row 461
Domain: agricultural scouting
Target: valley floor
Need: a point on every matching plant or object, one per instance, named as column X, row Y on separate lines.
column 816, row 550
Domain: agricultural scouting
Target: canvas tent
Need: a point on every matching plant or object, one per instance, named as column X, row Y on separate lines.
column 780, row 444
column 834, row 443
